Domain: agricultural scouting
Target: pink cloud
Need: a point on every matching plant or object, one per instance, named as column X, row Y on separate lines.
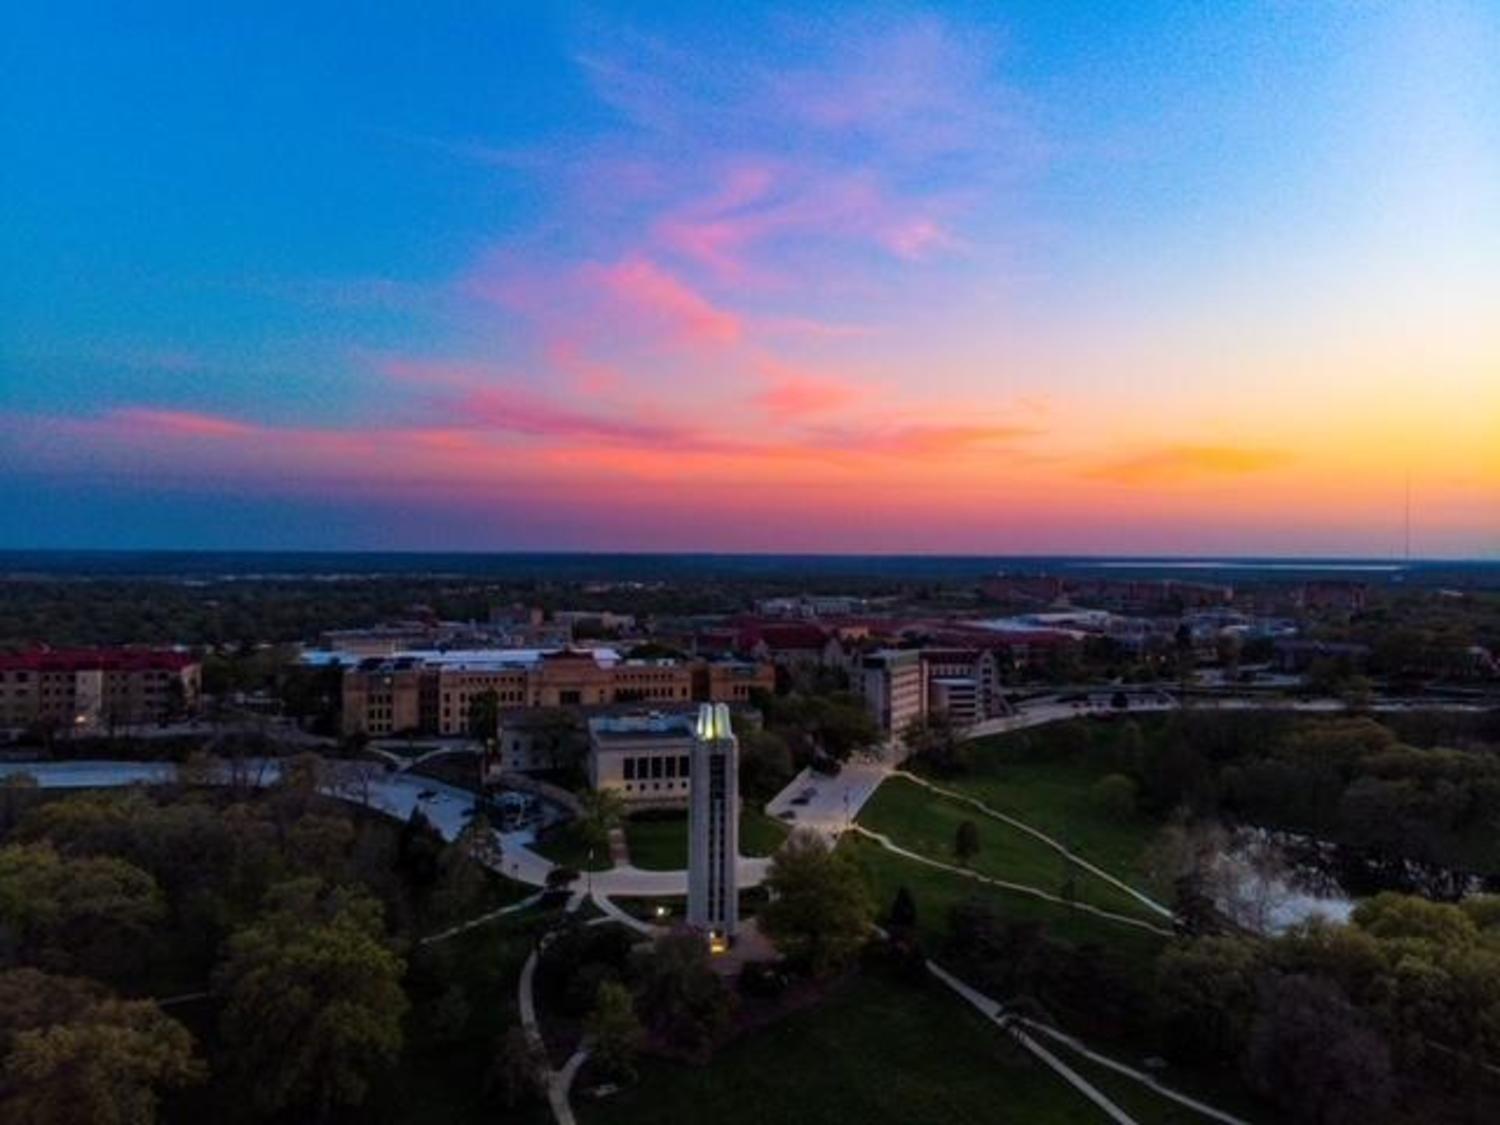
column 792, row 394
column 690, row 317
column 728, row 231
column 467, row 395
column 588, row 374
column 184, row 422
column 513, row 411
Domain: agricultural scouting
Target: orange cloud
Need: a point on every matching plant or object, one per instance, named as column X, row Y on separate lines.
column 1175, row 463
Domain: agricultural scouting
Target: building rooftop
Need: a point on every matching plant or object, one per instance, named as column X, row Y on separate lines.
column 97, row 659
column 628, row 728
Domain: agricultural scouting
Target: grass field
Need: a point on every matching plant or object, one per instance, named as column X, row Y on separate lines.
column 564, row 847
column 875, row 1052
column 927, row 822
column 936, row 892
column 1017, row 774
column 1224, row 1091
column 660, row 843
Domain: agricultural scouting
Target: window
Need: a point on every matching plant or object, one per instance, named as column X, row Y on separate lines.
column 629, row 769
column 672, row 767
column 656, row 768
column 683, row 766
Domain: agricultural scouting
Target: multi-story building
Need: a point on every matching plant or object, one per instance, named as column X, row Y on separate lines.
column 434, row 692
column 964, row 683
column 643, row 758
column 85, row 689
column 387, row 696
column 731, row 681
column 892, row 683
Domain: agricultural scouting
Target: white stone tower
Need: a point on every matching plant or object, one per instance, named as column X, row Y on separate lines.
column 714, row 827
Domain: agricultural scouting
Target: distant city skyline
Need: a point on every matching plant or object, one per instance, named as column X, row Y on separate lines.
column 950, row 278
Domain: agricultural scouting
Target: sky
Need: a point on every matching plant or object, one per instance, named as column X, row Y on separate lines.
column 1005, row 278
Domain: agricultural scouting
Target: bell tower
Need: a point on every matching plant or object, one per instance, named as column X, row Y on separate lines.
column 714, row 827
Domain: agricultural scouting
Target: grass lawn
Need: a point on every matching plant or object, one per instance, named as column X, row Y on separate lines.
column 659, row 843
column 936, row 892
column 1015, row 774
column 874, row 1052
column 562, row 845
column 1223, row 1091
column 927, row 822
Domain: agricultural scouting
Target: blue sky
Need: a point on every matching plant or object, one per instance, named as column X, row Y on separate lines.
column 645, row 275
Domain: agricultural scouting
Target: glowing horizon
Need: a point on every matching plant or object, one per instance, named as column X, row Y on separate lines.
column 930, row 280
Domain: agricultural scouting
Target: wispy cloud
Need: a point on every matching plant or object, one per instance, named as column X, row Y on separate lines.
column 1175, row 463
column 181, row 422
column 791, row 394
column 654, row 292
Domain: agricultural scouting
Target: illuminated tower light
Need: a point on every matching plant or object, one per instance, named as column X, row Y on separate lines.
column 714, row 827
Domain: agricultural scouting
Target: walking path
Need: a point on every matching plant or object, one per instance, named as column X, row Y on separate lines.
column 1021, row 888
column 462, row 927
column 995, row 1012
column 560, row 1080
column 1141, row 1076
column 1056, row 845
column 614, row 913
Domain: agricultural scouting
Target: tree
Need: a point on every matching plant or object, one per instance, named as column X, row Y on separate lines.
column 559, row 730
column 517, row 1070
column 484, row 717
column 461, row 869
column 1312, row 1054
column 614, row 1031
column 71, row 1052
column 353, row 779
column 602, row 812
column 92, row 912
column 935, row 740
column 902, row 918
column 966, row 842
column 301, row 779
column 313, row 999
column 14, row 788
column 686, row 1001
column 1114, row 795
column 200, row 769
column 419, row 850
column 820, row 910
column 1205, row 997
column 765, row 763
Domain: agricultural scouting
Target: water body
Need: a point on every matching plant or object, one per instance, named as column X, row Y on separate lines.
column 1269, row 881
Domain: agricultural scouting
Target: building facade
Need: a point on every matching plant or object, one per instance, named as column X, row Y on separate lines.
column 892, row 683
column 434, row 693
column 645, row 759
column 91, row 689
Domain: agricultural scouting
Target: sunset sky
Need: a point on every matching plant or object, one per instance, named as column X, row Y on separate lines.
column 991, row 277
